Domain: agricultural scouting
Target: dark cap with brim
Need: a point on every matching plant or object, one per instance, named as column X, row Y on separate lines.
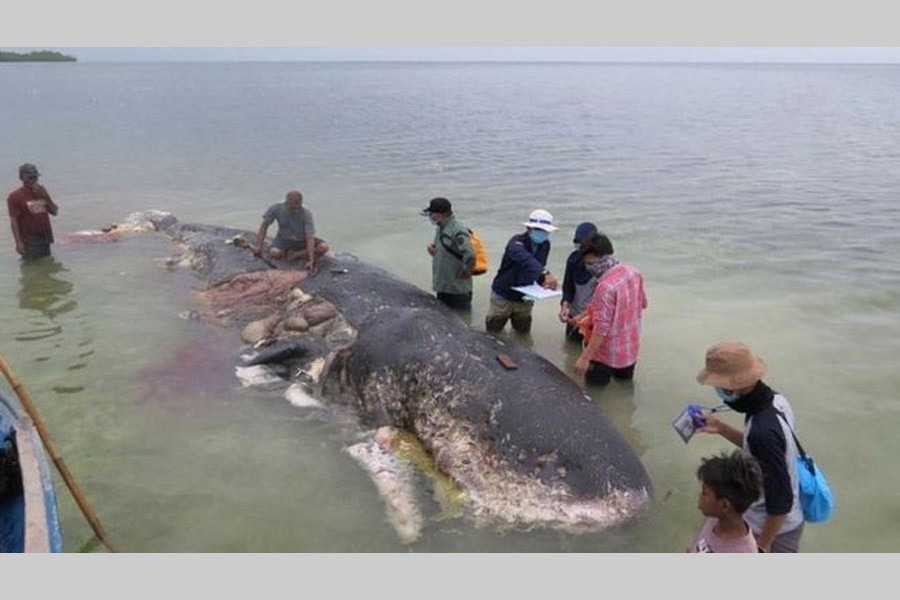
column 584, row 231
column 28, row 169
column 438, row 205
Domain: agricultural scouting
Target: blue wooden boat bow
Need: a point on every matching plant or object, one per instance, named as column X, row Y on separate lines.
column 29, row 520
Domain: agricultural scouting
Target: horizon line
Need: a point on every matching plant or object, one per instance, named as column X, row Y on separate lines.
column 478, row 61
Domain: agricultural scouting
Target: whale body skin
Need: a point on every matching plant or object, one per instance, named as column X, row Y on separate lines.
column 528, row 447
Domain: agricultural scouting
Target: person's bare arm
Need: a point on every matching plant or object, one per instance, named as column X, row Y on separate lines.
column 41, row 192
column 564, row 308
column 769, row 531
column 714, row 425
column 311, row 254
column 584, row 361
column 261, row 237
column 14, row 224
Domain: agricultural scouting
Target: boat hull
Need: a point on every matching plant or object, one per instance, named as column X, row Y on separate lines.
column 29, row 519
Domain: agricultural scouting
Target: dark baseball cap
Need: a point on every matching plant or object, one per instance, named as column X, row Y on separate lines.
column 28, row 169
column 438, row 205
column 584, row 231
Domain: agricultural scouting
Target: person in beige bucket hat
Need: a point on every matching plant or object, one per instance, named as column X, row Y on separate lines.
column 776, row 519
column 731, row 366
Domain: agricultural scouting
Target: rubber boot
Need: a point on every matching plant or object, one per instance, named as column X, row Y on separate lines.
column 521, row 324
column 495, row 324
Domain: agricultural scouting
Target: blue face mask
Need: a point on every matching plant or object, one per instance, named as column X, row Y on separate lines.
column 726, row 397
column 539, row 236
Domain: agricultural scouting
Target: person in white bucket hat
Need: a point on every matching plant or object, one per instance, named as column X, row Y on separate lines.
column 541, row 219
column 524, row 263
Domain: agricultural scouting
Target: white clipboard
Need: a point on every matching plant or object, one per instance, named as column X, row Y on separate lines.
column 536, row 292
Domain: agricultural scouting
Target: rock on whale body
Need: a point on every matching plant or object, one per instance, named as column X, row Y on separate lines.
column 528, row 447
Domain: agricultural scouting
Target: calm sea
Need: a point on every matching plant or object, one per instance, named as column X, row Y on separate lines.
column 760, row 202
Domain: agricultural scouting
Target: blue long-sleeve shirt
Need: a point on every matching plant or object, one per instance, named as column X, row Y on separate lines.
column 523, row 264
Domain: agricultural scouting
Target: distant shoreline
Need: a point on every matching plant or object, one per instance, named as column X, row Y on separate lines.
column 608, row 63
column 36, row 56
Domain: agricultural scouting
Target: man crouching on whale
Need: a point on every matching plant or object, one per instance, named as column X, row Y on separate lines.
column 296, row 238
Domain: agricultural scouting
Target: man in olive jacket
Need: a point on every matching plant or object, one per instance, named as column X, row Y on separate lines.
column 453, row 256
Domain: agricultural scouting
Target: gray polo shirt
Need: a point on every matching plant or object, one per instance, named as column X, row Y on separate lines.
column 292, row 226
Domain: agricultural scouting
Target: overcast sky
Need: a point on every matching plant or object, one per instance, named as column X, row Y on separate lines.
column 802, row 55
column 636, row 30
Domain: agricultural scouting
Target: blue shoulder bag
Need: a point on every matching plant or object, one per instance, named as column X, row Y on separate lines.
column 815, row 493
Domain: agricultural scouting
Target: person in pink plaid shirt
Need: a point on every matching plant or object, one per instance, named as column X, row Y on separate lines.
column 611, row 325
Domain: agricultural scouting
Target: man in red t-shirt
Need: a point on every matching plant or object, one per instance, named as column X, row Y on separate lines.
column 30, row 208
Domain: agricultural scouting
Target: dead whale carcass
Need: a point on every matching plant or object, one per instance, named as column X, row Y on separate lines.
column 527, row 448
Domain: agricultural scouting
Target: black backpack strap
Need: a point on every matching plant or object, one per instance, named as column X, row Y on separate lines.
column 796, row 441
column 456, row 253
